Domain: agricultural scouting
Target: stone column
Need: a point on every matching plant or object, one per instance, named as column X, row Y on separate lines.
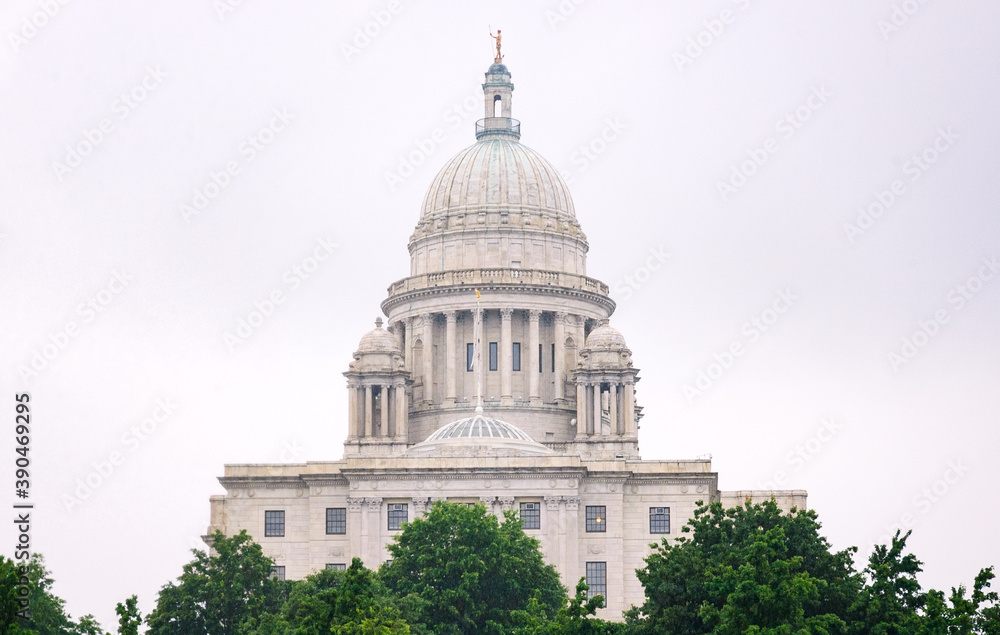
column 598, row 423
column 355, row 521
column 551, row 529
column 628, row 410
column 489, row 502
column 428, row 372
column 368, row 411
column 506, row 357
column 374, row 531
column 533, row 360
column 402, row 410
column 352, row 411
column 408, row 351
column 506, row 503
column 419, row 507
column 613, row 408
column 384, row 410
column 450, row 343
column 581, row 409
column 572, row 557
column 560, row 337
column 397, row 330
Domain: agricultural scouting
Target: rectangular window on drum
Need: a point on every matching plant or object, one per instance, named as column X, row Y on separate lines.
column 517, row 356
column 493, row 355
column 470, row 356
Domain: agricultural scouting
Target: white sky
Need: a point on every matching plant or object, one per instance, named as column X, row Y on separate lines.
column 881, row 98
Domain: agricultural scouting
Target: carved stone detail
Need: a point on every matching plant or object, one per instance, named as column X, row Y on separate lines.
column 572, row 502
column 595, row 549
column 506, row 502
column 335, row 551
column 420, row 504
column 354, row 504
column 552, row 503
column 374, row 504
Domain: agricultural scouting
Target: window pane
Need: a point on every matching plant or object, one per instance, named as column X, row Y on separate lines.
column 493, row 355
column 398, row 514
column 337, row 566
column 659, row 520
column 470, row 356
column 596, row 519
column 553, row 358
column 517, row 356
column 278, row 573
column 539, row 358
column 336, row 520
column 274, row 523
column 597, row 580
column 531, row 515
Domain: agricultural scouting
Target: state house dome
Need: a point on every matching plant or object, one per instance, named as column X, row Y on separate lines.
column 498, row 173
column 498, row 184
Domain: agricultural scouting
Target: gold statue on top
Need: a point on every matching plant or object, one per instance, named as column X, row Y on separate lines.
column 499, row 57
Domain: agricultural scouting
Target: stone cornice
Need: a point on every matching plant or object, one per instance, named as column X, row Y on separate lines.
column 403, row 298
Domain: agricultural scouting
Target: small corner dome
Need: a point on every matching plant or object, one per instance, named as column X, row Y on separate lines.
column 606, row 337
column 378, row 340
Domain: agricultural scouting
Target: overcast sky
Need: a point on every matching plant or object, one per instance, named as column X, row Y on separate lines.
column 795, row 205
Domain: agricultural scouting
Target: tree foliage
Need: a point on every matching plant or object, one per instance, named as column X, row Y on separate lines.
column 217, row 593
column 463, row 571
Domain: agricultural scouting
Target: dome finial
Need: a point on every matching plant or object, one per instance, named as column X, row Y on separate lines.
column 378, row 322
column 499, row 57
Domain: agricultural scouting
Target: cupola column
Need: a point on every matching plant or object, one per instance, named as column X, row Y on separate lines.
column 613, row 408
column 383, row 406
column 352, row 411
column 402, row 410
column 506, row 357
column 581, row 410
column 629, row 407
column 368, row 411
column 598, row 423
column 533, row 360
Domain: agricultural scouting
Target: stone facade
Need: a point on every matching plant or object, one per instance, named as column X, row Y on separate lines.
column 499, row 380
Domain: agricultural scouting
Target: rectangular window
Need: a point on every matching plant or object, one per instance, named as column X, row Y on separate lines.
column 531, row 516
column 274, row 523
column 659, row 520
column 470, row 356
column 539, row 358
column 517, row 356
column 596, row 518
column 553, row 358
column 493, row 355
column 398, row 514
column 336, row 520
column 336, row 566
column 277, row 573
column 597, row 580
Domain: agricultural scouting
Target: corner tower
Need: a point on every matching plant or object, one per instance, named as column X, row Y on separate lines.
column 498, row 218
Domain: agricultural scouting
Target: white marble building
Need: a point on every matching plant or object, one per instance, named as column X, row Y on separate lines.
column 557, row 440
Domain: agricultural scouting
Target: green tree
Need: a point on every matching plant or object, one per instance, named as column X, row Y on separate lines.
column 128, row 616
column 352, row 601
column 749, row 569
column 217, row 593
column 47, row 614
column 460, row 570
column 891, row 598
column 576, row 618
